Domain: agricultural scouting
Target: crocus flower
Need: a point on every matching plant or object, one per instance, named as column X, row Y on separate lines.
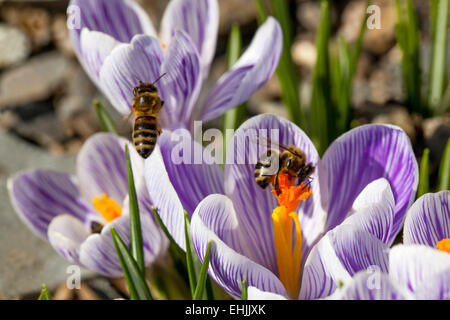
column 428, row 221
column 75, row 212
column 415, row 272
column 117, row 45
column 361, row 189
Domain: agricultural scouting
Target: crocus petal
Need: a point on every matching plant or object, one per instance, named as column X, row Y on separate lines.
column 66, row 234
column 182, row 81
column 254, row 293
column 98, row 252
column 255, row 205
column 95, row 47
column 374, row 286
column 40, row 195
column 338, row 256
column 414, row 265
column 164, row 196
column 227, row 267
column 200, row 20
column 362, row 155
column 126, row 65
column 437, row 287
column 101, row 167
column 428, row 219
column 373, row 210
column 249, row 73
column 120, row 19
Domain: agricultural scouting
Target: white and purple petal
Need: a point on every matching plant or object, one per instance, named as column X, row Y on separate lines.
column 414, row 265
column 40, row 195
column 227, row 267
column 66, row 233
column 254, row 293
column 337, row 257
column 362, row 155
column 437, row 287
column 428, row 220
column 373, row 210
column 126, row 65
column 200, row 20
column 101, row 167
column 368, row 285
column 181, row 82
column 120, row 19
column 249, row 73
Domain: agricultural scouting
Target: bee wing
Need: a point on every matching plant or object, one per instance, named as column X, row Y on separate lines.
column 271, row 144
column 126, row 122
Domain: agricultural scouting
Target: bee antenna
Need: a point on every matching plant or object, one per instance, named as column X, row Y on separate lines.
column 139, row 80
column 159, row 78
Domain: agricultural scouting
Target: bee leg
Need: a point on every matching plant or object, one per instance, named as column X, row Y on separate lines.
column 277, row 187
column 159, row 129
column 162, row 103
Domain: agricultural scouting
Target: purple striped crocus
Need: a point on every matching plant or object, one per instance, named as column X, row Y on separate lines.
column 414, row 272
column 117, row 44
column 361, row 189
column 75, row 212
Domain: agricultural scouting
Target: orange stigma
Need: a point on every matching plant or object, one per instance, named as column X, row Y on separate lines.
column 443, row 245
column 108, row 208
column 288, row 251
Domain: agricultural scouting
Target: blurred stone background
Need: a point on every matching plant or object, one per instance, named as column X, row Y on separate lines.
column 46, row 110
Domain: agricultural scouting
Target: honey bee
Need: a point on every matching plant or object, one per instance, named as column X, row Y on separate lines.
column 146, row 106
column 286, row 159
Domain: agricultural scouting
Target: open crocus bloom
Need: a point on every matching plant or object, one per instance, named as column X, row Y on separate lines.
column 75, row 213
column 415, row 272
column 117, row 45
column 361, row 189
column 428, row 221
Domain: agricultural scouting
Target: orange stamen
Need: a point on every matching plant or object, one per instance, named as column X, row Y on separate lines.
column 288, row 256
column 443, row 245
column 107, row 207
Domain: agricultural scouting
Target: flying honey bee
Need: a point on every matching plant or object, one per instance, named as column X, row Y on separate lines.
column 146, row 106
column 286, row 159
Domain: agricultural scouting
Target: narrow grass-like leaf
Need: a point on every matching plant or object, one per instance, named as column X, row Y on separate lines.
column 174, row 247
column 408, row 38
column 136, row 244
column 287, row 71
column 262, row 12
column 104, row 119
column 424, row 174
column 45, row 294
column 236, row 116
column 439, row 24
column 322, row 119
column 203, row 274
column 244, row 295
column 135, row 280
column 444, row 169
column 189, row 255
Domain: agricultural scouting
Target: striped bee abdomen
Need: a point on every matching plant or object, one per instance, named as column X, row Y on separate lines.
column 145, row 134
column 266, row 167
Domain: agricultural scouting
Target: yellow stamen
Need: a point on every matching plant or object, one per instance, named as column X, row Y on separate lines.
column 443, row 245
column 163, row 45
column 107, row 207
column 288, row 258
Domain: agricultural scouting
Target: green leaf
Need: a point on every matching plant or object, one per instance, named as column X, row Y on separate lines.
column 444, row 169
column 189, row 255
column 174, row 247
column 45, row 294
column 262, row 12
column 135, row 280
column 439, row 23
column 136, row 245
column 424, row 174
column 236, row 116
column 105, row 120
column 203, row 274
column 287, row 71
column 244, row 295
column 322, row 118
